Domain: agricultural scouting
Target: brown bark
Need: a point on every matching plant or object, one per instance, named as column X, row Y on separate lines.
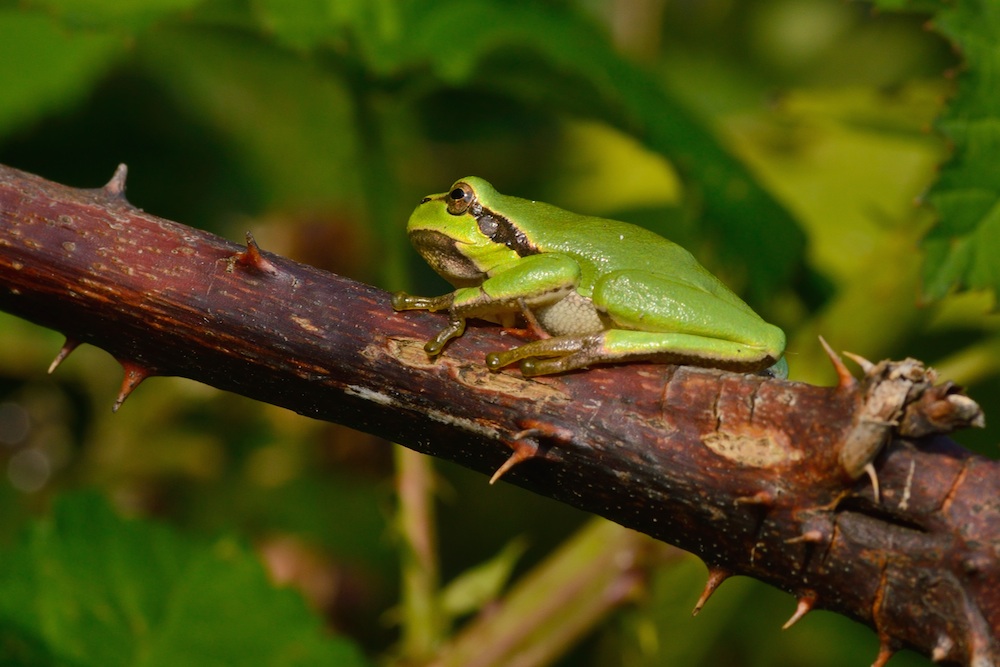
column 757, row 476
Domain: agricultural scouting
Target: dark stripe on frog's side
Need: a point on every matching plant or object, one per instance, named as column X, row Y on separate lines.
column 506, row 232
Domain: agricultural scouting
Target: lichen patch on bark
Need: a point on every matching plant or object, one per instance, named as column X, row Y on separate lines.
column 753, row 448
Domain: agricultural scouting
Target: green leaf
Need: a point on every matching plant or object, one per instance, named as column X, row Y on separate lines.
column 131, row 15
column 86, row 587
column 373, row 25
column 908, row 5
column 290, row 120
column 46, row 69
column 963, row 247
column 480, row 585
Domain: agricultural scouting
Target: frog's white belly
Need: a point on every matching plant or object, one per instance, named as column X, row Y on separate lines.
column 573, row 315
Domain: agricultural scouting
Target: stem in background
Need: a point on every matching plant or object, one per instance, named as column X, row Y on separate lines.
column 600, row 568
column 421, row 620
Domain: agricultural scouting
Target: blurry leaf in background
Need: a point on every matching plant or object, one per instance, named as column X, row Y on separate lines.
column 46, row 69
column 851, row 163
column 371, row 27
column 274, row 109
column 112, row 14
column 481, row 584
column 85, row 587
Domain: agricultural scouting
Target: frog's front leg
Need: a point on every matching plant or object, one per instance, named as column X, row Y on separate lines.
column 529, row 282
column 456, row 325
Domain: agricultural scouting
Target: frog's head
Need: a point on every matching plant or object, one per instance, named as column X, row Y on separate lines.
column 462, row 234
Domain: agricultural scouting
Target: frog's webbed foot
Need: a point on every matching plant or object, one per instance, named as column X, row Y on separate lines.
column 456, row 325
column 527, row 443
column 564, row 348
column 404, row 301
column 455, row 328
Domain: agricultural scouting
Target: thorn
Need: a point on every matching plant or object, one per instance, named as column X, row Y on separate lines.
column 866, row 365
column 806, row 603
column 759, row 498
column 885, row 651
column 134, row 375
column 873, row 476
column 811, row 536
column 252, row 258
column 116, row 186
column 64, row 352
column 544, row 429
column 942, row 649
column 523, row 450
column 844, row 377
column 537, row 430
column 716, row 575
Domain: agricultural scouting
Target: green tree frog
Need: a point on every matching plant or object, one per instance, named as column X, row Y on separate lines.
column 595, row 290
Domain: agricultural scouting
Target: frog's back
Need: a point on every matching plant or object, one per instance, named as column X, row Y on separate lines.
column 602, row 246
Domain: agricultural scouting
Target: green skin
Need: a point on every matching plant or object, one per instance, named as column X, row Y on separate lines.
column 597, row 290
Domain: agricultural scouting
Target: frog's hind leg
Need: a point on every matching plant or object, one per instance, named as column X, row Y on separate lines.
column 558, row 355
column 559, row 346
column 656, row 318
column 673, row 320
column 681, row 348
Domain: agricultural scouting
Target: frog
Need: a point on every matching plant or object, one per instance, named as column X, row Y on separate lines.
column 593, row 290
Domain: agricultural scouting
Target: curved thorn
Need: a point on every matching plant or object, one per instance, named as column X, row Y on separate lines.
column 885, row 651
column 116, row 186
column 64, row 351
column 873, row 476
column 522, row 451
column 537, row 428
column 866, row 365
column 806, row 603
column 844, row 376
column 813, row 536
column 134, row 375
column 716, row 575
column 760, row 498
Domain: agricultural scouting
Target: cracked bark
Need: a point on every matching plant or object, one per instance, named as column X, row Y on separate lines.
column 758, row 477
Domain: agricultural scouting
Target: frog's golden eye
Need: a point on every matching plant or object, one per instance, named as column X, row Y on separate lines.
column 460, row 198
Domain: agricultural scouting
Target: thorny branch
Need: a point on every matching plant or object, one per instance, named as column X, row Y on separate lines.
column 758, row 477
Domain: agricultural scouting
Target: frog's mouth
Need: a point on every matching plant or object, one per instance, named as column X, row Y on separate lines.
column 443, row 254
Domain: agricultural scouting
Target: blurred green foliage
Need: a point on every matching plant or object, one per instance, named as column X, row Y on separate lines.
column 796, row 146
column 88, row 588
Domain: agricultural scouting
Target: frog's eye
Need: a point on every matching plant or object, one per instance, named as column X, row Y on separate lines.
column 460, row 198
